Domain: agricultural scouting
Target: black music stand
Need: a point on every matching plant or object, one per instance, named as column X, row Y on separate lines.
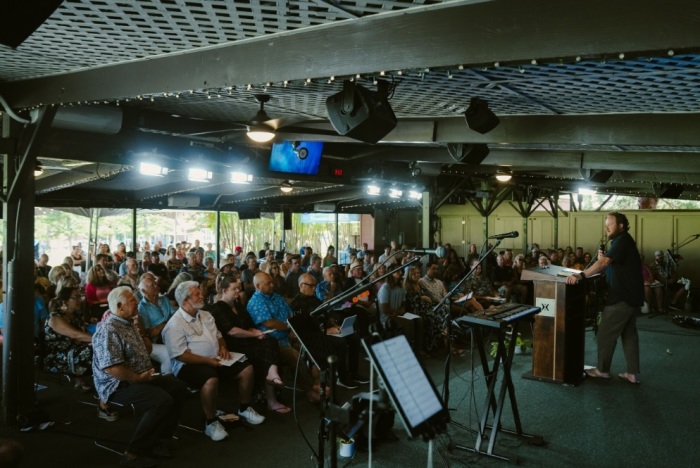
column 504, row 357
column 313, row 341
column 411, row 391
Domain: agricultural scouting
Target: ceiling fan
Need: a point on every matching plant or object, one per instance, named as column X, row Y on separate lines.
column 261, row 128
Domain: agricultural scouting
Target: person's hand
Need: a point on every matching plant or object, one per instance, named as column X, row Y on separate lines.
column 333, row 331
column 215, row 362
column 256, row 333
column 573, row 279
column 224, row 353
column 144, row 376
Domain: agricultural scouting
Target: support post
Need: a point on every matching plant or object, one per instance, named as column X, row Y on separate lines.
column 18, row 276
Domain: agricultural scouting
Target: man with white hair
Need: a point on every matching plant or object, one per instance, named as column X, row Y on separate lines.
column 198, row 351
column 123, row 374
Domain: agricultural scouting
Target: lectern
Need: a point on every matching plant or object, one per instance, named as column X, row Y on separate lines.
column 558, row 335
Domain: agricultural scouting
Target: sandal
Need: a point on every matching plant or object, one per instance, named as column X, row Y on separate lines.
column 276, row 382
column 281, row 409
column 628, row 377
column 596, row 374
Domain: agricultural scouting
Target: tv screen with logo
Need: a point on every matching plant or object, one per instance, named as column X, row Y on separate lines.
column 296, row 157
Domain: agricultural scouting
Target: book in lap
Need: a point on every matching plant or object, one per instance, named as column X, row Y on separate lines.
column 348, row 327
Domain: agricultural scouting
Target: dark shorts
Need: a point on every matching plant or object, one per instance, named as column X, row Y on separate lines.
column 196, row 375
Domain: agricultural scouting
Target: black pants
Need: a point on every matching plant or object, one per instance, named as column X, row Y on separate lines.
column 160, row 404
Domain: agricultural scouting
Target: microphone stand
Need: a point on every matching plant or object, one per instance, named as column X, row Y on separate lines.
column 328, row 402
column 355, row 289
column 445, row 301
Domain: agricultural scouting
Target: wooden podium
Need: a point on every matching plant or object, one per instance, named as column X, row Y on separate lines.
column 558, row 336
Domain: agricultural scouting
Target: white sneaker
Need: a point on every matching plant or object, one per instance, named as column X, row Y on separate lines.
column 215, row 431
column 251, row 416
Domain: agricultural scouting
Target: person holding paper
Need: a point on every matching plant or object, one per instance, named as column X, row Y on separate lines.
column 392, row 307
column 196, row 351
column 241, row 336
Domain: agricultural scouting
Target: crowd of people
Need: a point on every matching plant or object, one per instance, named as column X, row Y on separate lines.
column 141, row 329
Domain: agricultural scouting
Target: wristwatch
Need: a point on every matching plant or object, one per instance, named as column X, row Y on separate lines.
column 583, row 277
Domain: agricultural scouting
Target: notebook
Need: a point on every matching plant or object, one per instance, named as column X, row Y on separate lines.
column 348, row 327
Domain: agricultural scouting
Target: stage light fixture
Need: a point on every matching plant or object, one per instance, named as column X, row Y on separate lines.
column 286, row 187
column 395, row 193
column 199, row 175
column 151, row 169
column 362, row 114
column 238, row 177
column 38, row 170
column 479, row 117
column 586, row 191
column 415, row 195
column 373, row 190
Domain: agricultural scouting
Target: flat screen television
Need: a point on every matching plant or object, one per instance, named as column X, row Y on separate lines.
column 296, row 157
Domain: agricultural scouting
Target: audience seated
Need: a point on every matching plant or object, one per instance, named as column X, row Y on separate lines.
column 241, row 336
column 420, row 303
column 270, row 311
column 346, row 348
column 392, row 307
column 123, row 374
column 154, row 312
column 197, row 349
column 67, row 344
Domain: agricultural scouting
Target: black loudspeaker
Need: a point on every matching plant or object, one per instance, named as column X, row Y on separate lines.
column 20, row 18
column 287, row 219
column 249, row 213
column 479, row 117
column 600, row 177
column 671, row 191
column 361, row 114
column 468, row 153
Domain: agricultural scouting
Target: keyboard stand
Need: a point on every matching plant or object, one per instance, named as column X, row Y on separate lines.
column 503, row 357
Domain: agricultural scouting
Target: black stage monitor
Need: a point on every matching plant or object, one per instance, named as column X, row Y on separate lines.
column 412, row 393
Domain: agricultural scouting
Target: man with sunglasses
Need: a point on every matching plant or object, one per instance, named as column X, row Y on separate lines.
column 346, row 348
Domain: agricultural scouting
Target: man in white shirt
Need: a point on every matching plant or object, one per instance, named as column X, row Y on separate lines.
column 196, row 349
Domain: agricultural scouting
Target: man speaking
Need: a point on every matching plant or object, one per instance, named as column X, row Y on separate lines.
column 623, row 274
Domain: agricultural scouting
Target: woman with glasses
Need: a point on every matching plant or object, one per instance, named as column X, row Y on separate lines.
column 66, row 341
column 238, row 329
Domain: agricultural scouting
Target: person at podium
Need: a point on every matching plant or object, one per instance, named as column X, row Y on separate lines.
column 623, row 274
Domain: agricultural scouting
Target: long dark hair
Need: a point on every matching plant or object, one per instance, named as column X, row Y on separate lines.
column 63, row 297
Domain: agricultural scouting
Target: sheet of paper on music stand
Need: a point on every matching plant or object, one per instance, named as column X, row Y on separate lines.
column 408, row 385
column 410, row 316
column 235, row 357
column 466, row 297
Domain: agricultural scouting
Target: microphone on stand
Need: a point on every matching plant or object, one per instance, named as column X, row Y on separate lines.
column 507, row 235
column 422, row 251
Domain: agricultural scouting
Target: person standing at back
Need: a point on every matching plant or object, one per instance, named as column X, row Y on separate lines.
column 623, row 274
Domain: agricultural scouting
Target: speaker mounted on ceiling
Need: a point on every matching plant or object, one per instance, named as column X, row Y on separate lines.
column 362, row 114
column 479, row 117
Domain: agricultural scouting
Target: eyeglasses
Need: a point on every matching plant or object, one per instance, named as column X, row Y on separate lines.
column 311, row 285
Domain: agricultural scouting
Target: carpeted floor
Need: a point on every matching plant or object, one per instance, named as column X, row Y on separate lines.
column 597, row 424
